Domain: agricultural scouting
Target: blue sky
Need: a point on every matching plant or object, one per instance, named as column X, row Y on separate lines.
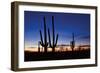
column 65, row 24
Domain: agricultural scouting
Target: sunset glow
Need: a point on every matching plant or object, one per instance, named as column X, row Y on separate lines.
column 58, row 49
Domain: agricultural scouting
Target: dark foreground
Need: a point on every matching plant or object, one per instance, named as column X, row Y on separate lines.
column 36, row 56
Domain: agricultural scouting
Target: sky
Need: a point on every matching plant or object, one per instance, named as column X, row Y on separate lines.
column 65, row 24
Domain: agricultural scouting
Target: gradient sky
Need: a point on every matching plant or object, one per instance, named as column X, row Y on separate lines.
column 65, row 24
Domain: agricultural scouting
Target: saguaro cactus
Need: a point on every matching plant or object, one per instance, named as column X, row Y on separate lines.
column 72, row 43
column 54, row 43
column 44, row 44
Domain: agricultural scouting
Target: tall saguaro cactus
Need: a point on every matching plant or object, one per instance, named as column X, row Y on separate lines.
column 72, row 43
column 54, row 42
column 44, row 44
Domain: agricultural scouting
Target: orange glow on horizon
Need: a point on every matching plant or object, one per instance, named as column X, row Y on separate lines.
column 57, row 49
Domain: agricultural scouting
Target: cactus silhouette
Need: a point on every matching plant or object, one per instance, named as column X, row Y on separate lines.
column 44, row 43
column 72, row 43
column 54, row 43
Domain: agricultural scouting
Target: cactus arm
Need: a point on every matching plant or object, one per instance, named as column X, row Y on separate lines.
column 45, row 35
column 53, row 31
column 49, row 37
column 41, row 37
column 39, row 46
column 56, row 39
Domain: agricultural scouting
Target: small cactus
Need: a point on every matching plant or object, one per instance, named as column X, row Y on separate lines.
column 72, row 43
